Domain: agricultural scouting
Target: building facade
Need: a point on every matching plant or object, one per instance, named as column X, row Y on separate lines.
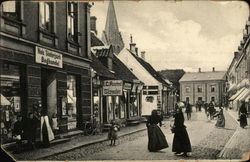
column 203, row 87
column 45, row 58
column 239, row 73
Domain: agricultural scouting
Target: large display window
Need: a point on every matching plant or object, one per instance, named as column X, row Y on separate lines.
column 134, row 106
column 10, row 105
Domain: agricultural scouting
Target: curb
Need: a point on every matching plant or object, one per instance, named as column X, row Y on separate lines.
column 87, row 144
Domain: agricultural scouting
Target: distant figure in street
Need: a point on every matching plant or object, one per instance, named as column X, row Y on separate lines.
column 243, row 115
column 211, row 110
column 18, row 133
column 181, row 142
column 30, row 130
column 156, row 138
column 188, row 110
column 206, row 109
column 112, row 135
column 220, row 119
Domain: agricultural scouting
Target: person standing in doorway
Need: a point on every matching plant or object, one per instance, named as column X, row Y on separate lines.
column 30, row 130
column 188, row 110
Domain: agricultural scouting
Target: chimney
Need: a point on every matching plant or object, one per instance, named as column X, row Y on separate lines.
column 213, row 69
column 143, row 55
column 199, row 70
column 93, row 24
column 136, row 51
column 132, row 45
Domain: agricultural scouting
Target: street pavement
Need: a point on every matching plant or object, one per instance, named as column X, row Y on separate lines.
column 207, row 142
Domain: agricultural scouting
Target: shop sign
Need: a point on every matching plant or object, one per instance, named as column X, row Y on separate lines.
column 112, row 87
column 48, row 57
column 127, row 86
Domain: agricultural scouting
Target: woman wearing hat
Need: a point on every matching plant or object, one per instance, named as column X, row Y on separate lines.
column 181, row 142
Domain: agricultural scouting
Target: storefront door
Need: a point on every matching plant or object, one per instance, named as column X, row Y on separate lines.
column 49, row 93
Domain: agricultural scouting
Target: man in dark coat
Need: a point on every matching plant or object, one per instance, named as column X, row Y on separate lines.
column 243, row 115
column 181, row 142
column 188, row 110
column 18, row 133
column 211, row 110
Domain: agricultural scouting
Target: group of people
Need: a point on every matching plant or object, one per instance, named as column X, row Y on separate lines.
column 157, row 140
column 26, row 129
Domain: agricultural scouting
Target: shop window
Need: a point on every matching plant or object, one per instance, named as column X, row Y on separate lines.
column 72, row 99
column 110, row 108
column 116, row 107
column 96, row 106
column 11, row 9
column 46, row 18
column 72, row 21
column 133, row 106
column 10, row 105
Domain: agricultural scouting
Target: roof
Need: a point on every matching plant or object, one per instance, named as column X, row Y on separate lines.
column 104, row 52
column 121, row 71
column 173, row 75
column 100, row 68
column 150, row 69
column 203, row 76
column 95, row 41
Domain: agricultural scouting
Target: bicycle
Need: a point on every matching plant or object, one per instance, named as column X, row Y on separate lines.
column 92, row 128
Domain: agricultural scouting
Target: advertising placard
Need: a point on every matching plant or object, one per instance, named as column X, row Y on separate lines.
column 112, row 88
column 48, row 57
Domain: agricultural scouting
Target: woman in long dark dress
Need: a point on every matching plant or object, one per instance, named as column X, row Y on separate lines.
column 243, row 115
column 220, row 119
column 181, row 142
column 156, row 138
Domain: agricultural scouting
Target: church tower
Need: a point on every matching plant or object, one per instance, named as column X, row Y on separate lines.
column 111, row 34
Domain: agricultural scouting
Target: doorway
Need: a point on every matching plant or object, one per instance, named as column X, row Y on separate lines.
column 49, row 91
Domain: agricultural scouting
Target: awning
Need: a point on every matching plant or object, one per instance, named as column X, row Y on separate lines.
column 233, row 87
column 241, row 94
column 4, row 101
column 245, row 95
column 236, row 94
column 247, row 99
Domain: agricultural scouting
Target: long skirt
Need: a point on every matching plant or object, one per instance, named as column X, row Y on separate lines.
column 243, row 120
column 220, row 121
column 181, row 142
column 156, row 139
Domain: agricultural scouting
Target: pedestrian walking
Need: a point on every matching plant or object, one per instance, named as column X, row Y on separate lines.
column 243, row 115
column 211, row 110
column 188, row 110
column 220, row 119
column 112, row 135
column 31, row 124
column 181, row 142
column 18, row 133
column 156, row 139
column 206, row 109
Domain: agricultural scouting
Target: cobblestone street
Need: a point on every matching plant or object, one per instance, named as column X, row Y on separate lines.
column 207, row 142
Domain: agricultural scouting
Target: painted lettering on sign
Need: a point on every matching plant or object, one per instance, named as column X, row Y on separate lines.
column 112, row 88
column 48, row 57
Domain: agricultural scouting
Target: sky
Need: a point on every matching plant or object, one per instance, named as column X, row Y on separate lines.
column 180, row 35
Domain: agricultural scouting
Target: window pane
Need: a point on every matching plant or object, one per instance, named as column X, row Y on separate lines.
column 42, row 13
column 9, row 6
column 72, row 26
column 47, row 10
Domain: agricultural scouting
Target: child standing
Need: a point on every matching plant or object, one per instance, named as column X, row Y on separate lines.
column 112, row 135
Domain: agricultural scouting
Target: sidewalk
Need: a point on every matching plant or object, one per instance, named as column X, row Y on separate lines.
column 238, row 147
column 74, row 143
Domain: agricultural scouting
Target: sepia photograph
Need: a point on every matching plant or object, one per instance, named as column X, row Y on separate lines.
column 125, row 80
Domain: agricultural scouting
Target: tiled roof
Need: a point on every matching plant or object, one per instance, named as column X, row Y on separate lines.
column 150, row 69
column 104, row 52
column 121, row 71
column 203, row 76
column 95, row 41
column 173, row 75
column 100, row 68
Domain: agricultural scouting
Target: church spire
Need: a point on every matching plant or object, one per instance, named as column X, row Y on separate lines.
column 111, row 34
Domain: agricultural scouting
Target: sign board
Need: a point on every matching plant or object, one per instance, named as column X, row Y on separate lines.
column 112, row 88
column 48, row 57
column 127, row 86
